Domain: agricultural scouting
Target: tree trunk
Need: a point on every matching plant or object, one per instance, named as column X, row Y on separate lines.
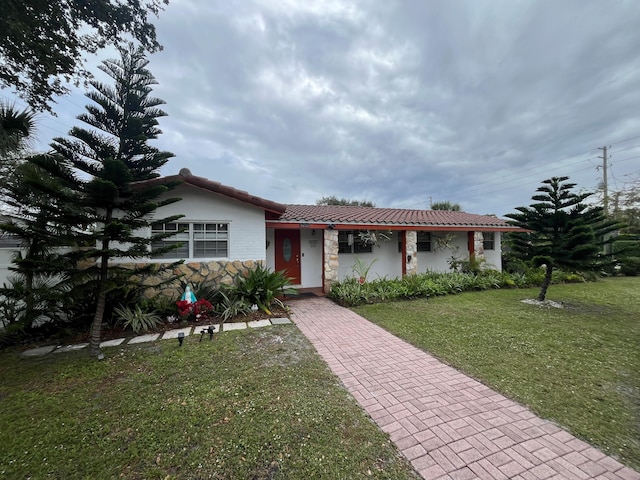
column 545, row 283
column 96, row 325
column 29, row 301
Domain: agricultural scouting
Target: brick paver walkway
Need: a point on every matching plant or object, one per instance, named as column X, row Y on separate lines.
column 447, row 424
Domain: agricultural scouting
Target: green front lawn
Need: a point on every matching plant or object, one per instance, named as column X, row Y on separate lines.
column 578, row 366
column 255, row 404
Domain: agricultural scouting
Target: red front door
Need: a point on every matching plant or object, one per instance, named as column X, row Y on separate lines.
column 288, row 254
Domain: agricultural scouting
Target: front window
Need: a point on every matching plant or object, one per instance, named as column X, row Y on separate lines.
column 350, row 242
column 210, row 240
column 488, row 240
column 194, row 240
column 9, row 240
column 423, row 242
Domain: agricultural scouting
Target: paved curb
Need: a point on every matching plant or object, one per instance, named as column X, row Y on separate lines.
column 169, row 334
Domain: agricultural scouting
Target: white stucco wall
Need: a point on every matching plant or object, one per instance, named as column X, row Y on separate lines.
column 437, row 260
column 247, row 237
column 494, row 257
column 388, row 265
column 271, row 249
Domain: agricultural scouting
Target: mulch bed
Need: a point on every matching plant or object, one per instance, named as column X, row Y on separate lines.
column 119, row 332
column 109, row 333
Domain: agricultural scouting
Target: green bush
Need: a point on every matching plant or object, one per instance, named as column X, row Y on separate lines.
column 161, row 305
column 351, row 293
column 475, row 265
column 261, row 287
column 136, row 319
column 574, row 278
column 630, row 266
column 230, row 305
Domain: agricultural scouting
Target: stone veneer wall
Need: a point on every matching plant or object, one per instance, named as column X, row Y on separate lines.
column 331, row 263
column 412, row 249
column 214, row 272
column 478, row 244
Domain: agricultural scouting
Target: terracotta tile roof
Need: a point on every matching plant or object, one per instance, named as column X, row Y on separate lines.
column 388, row 216
column 339, row 214
column 185, row 176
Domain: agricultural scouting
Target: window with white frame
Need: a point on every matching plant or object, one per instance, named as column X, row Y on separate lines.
column 488, row 240
column 210, row 240
column 9, row 240
column 194, row 240
column 350, row 242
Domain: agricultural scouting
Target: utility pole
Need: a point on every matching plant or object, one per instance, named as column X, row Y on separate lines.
column 605, row 186
column 604, row 179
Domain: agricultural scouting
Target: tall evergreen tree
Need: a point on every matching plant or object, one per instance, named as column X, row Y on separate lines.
column 562, row 231
column 39, row 219
column 109, row 159
column 28, row 217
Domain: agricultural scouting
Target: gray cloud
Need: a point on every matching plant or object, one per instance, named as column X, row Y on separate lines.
column 473, row 102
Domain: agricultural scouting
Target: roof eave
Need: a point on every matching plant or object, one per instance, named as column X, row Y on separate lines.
column 220, row 190
column 315, row 223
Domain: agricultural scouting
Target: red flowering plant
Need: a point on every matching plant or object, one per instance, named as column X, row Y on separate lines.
column 200, row 310
column 203, row 310
column 185, row 309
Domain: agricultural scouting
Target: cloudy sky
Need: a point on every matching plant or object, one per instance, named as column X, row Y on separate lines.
column 397, row 102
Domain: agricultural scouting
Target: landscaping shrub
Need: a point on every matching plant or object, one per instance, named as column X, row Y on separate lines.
column 136, row 319
column 230, row 305
column 163, row 305
column 430, row 284
column 475, row 265
column 261, row 287
column 199, row 311
column 630, row 266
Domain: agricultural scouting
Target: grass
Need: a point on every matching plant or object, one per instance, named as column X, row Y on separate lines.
column 256, row 404
column 578, row 366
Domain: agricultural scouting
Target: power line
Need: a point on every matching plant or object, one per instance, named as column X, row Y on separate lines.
column 479, row 190
column 488, row 188
column 499, row 181
column 605, row 181
column 625, row 140
column 628, row 158
column 628, row 148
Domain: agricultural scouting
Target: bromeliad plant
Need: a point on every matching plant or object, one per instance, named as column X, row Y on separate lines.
column 137, row 319
column 361, row 269
column 261, row 287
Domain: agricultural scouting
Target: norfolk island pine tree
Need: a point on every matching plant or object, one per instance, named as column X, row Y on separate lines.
column 562, row 231
column 106, row 167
